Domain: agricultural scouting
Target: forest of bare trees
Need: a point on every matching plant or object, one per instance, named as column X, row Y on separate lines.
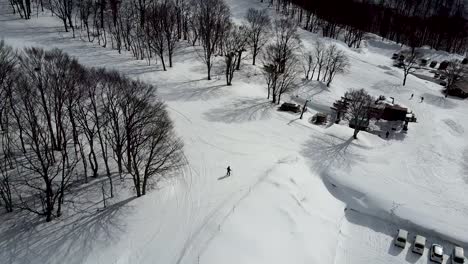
column 154, row 30
column 440, row 24
column 62, row 124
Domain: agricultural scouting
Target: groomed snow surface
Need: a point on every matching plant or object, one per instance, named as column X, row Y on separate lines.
column 291, row 180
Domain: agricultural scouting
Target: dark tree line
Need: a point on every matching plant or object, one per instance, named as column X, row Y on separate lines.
column 440, row 24
column 61, row 122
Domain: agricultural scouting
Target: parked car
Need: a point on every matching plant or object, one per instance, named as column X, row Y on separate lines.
column 458, row 256
column 437, row 253
column 419, row 244
column 401, row 238
column 290, row 107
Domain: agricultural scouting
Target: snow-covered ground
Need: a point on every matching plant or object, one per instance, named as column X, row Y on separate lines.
column 291, row 180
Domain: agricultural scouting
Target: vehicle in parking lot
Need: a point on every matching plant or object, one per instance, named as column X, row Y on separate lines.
column 402, row 237
column 419, row 244
column 295, row 108
column 457, row 255
column 437, row 253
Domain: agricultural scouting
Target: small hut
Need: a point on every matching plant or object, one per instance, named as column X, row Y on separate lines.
column 290, row 107
column 394, row 113
column 459, row 89
column 319, row 119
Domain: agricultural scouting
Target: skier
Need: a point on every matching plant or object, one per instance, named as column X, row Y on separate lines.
column 228, row 171
column 411, row 96
column 387, row 134
column 422, row 99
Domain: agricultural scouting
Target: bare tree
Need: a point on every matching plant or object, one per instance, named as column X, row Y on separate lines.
column 212, row 21
column 7, row 130
column 280, row 61
column 51, row 105
column 88, row 127
column 152, row 148
column 320, row 58
column 170, row 27
column 47, row 172
column 135, row 97
column 454, row 72
column 114, row 90
column 6, row 186
column 155, row 31
column 63, row 9
column 84, row 13
column 8, row 61
column 287, row 78
column 353, row 37
column 258, row 27
column 7, row 78
column 47, row 162
column 336, row 62
column 155, row 151
column 308, row 65
column 286, row 40
column 359, row 103
column 409, row 62
column 23, row 7
column 280, row 75
column 233, row 46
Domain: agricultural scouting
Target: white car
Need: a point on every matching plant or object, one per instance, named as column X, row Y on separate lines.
column 402, row 237
column 458, row 256
column 437, row 253
column 419, row 244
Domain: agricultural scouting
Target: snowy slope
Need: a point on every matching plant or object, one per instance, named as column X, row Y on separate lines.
column 291, row 180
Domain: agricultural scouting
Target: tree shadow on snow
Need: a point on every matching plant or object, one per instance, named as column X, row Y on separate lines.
column 329, row 152
column 68, row 239
column 439, row 101
column 184, row 92
column 387, row 228
column 389, row 88
column 242, row 110
column 359, row 212
column 307, row 89
column 377, row 225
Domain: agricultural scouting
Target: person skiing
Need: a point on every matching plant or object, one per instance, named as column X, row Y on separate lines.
column 422, row 99
column 228, row 171
column 411, row 96
column 387, row 134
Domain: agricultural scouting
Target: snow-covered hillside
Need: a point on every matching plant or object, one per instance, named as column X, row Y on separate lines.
column 291, row 181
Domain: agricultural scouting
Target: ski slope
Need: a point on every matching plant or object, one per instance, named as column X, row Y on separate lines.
column 291, row 180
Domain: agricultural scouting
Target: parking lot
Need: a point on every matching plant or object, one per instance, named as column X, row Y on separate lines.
column 367, row 239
